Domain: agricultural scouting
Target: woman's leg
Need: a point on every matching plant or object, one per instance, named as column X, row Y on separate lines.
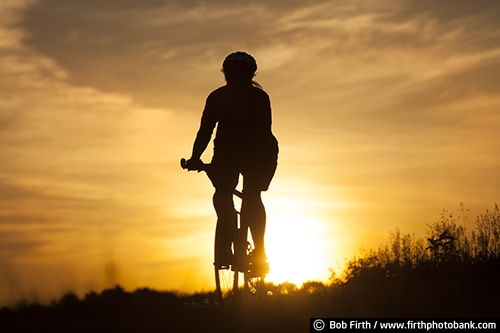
column 253, row 214
column 226, row 226
column 224, row 177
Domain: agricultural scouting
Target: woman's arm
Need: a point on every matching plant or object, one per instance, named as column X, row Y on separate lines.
column 207, row 125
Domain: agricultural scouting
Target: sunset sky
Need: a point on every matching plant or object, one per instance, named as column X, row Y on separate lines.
column 387, row 112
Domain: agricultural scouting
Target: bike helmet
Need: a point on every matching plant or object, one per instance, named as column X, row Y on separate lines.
column 240, row 59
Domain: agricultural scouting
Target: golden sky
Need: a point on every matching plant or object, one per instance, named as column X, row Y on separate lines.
column 386, row 113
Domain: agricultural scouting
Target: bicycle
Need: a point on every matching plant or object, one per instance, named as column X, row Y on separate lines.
column 227, row 277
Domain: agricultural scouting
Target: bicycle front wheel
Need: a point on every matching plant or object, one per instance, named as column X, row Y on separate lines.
column 226, row 283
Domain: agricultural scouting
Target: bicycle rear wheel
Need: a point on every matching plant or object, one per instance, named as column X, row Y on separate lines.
column 226, row 283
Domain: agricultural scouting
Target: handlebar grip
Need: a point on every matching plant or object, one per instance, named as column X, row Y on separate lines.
column 183, row 163
column 196, row 166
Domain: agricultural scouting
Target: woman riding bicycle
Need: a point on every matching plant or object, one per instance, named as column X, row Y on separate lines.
column 244, row 144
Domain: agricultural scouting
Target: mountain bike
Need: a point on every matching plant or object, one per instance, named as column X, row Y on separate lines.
column 231, row 280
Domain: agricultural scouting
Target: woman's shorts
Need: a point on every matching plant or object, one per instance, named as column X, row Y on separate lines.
column 257, row 171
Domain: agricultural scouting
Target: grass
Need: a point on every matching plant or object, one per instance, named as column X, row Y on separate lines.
column 449, row 273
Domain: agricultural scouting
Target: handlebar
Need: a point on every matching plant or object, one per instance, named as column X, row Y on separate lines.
column 203, row 167
column 200, row 167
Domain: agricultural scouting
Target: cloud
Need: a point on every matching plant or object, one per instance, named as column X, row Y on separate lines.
column 14, row 244
column 152, row 51
column 133, row 43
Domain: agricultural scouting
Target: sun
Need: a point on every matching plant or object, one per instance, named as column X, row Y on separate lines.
column 306, row 232
column 299, row 248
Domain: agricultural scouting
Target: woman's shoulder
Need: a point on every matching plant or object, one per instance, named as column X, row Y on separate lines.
column 227, row 91
column 260, row 93
column 258, row 90
column 218, row 91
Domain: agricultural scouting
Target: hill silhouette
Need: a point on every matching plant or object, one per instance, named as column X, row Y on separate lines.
column 451, row 273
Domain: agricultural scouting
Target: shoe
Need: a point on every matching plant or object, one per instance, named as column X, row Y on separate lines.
column 258, row 266
column 224, row 261
column 239, row 264
column 222, row 266
column 259, row 269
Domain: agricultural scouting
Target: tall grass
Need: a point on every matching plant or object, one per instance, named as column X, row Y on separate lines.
column 449, row 273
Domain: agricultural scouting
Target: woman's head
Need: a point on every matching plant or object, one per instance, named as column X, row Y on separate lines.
column 239, row 67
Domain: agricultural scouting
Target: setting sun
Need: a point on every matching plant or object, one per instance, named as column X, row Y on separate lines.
column 298, row 248
column 302, row 236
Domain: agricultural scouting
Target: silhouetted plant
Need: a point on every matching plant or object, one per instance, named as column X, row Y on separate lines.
column 488, row 234
column 447, row 241
column 443, row 274
column 314, row 287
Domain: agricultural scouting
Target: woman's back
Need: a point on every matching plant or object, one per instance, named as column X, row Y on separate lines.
column 243, row 117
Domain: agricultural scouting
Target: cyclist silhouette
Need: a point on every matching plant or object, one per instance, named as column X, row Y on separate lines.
column 244, row 144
